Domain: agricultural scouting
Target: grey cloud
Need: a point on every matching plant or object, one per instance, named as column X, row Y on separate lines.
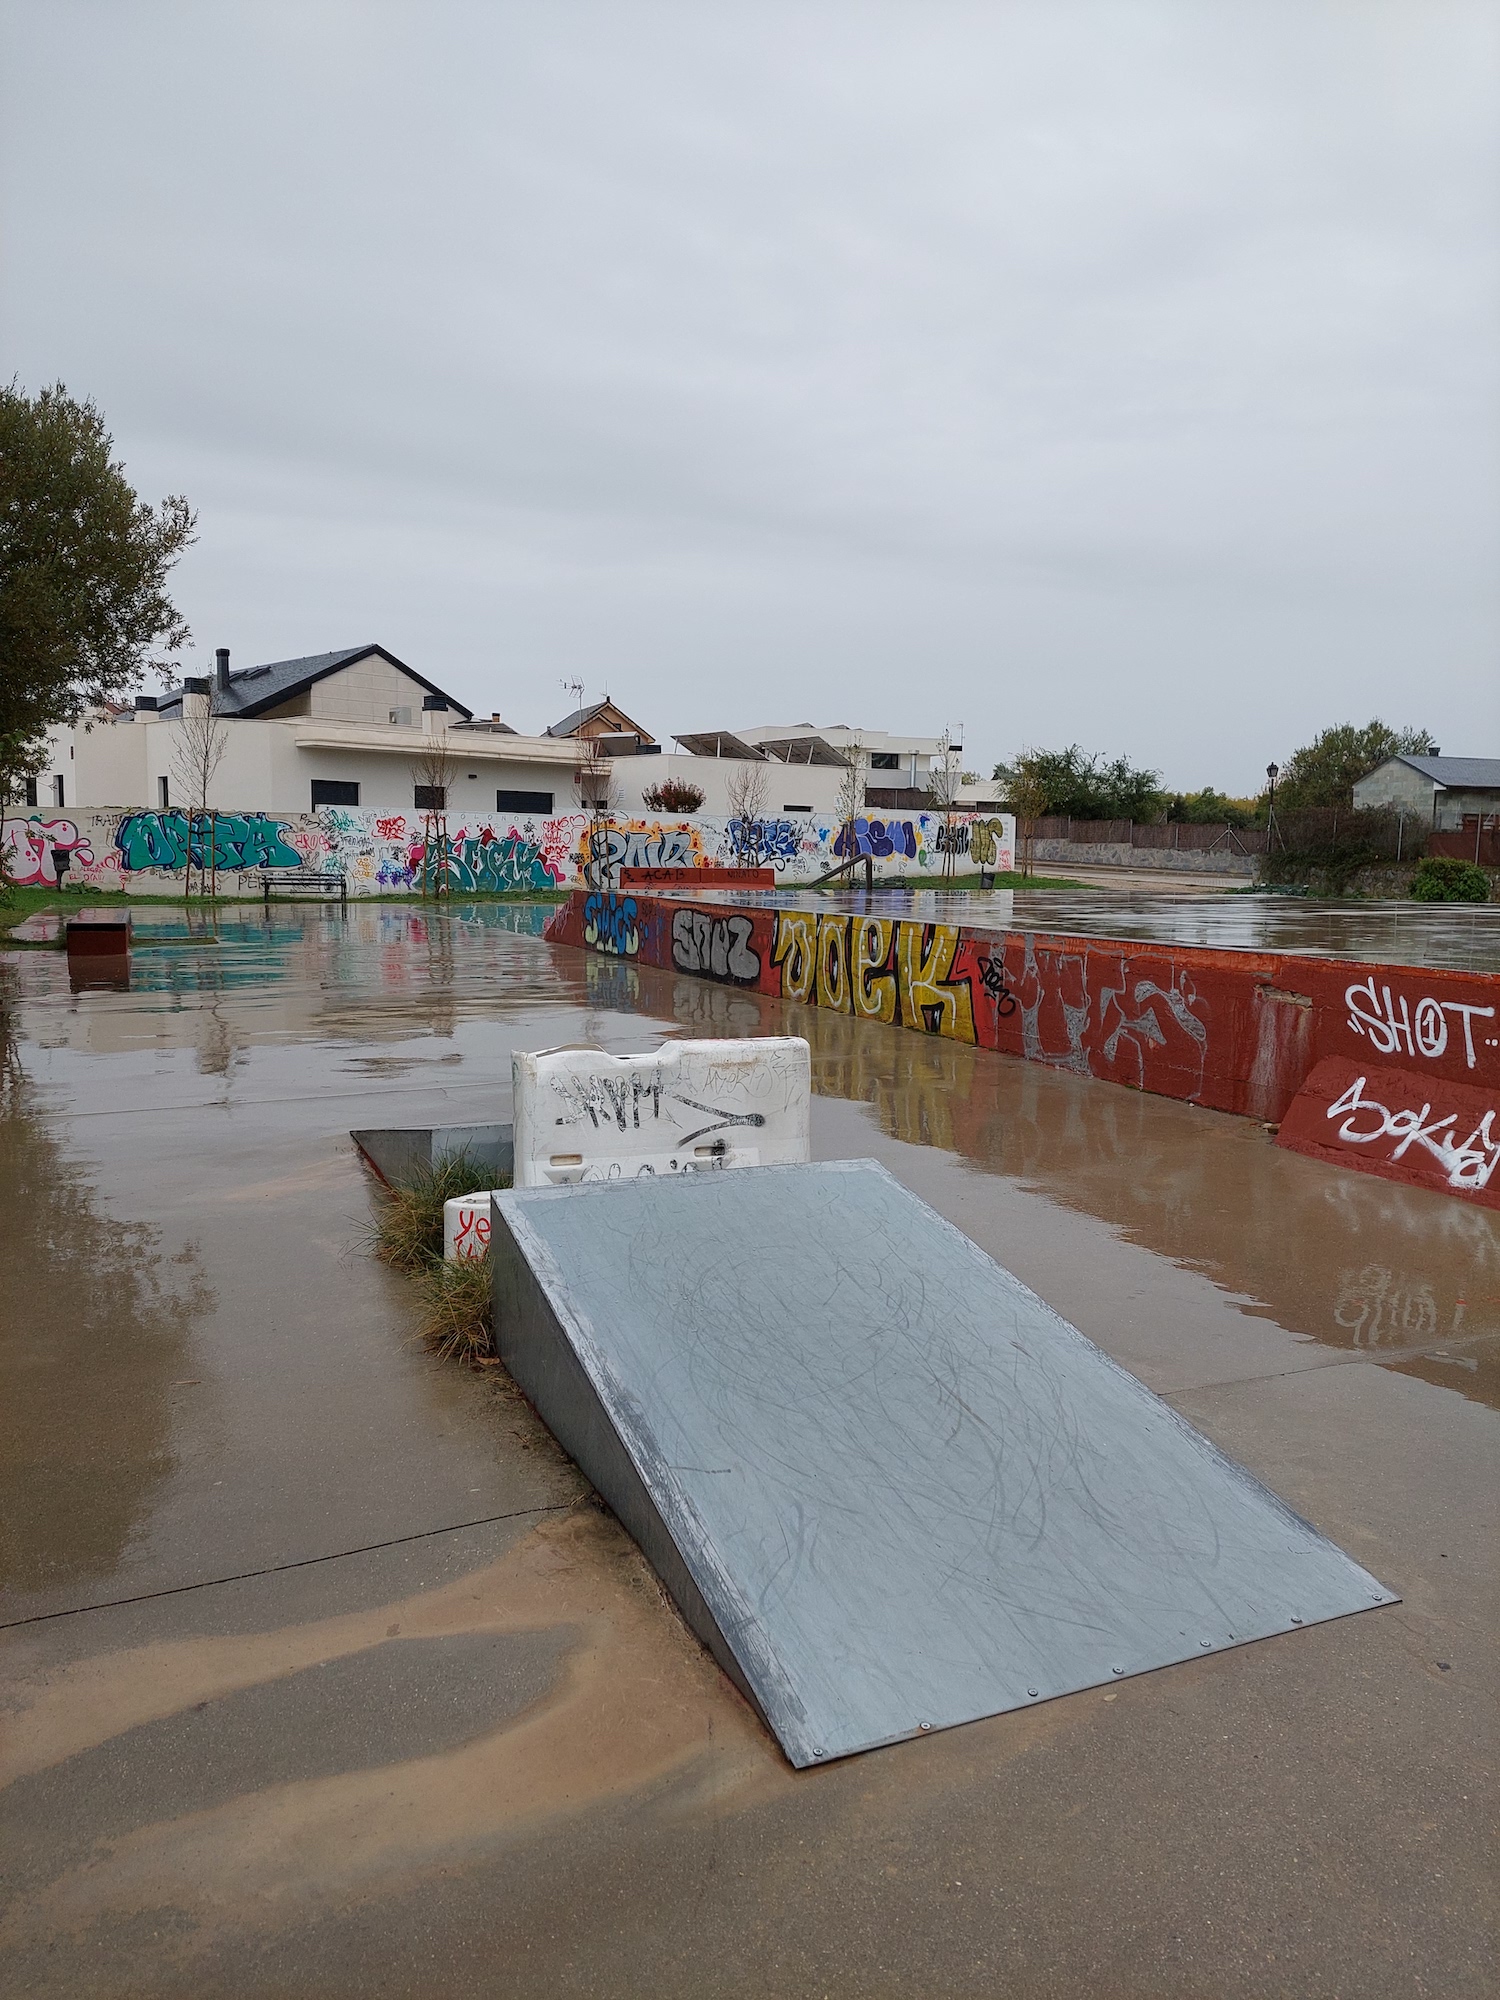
column 1122, row 373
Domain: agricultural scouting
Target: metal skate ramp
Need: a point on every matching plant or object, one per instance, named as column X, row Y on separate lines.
column 888, row 1487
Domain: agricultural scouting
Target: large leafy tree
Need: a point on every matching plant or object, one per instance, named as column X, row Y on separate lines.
column 83, row 572
column 1083, row 787
column 1325, row 771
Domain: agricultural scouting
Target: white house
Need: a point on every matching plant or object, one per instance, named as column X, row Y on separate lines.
column 357, row 726
column 1440, row 791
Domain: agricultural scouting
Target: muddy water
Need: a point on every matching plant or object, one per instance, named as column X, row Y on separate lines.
column 413, row 1710
column 184, row 1216
column 1461, row 937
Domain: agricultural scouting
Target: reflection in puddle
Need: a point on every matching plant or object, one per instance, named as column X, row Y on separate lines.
column 1359, row 1264
column 85, row 1300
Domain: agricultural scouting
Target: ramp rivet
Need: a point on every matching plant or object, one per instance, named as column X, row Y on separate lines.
column 1205, row 1642
column 1117, row 1670
column 924, row 1725
column 1295, row 1619
column 1032, row 1693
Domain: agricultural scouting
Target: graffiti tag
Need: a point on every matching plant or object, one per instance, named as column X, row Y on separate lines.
column 609, row 924
column 1468, row 1163
column 715, row 947
column 992, row 979
column 1393, row 1025
column 208, row 840
column 39, row 852
column 877, row 838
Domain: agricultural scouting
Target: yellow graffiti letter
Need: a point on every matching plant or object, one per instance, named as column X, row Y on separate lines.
column 926, row 1001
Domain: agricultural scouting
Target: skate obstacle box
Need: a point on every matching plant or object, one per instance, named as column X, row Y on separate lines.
column 887, row 1486
column 687, row 1107
column 98, row 946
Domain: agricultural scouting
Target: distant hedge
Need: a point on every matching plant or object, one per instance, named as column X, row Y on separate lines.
column 1441, row 879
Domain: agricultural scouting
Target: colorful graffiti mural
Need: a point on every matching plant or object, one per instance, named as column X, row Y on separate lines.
column 383, row 852
column 230, row 841
column 1235, row 1031
column 43, row 852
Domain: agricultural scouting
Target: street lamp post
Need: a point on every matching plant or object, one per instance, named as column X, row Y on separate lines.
column 1273, row 772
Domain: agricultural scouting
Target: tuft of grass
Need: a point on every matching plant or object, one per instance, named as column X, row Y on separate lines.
column 456, row 1319
column 454, row 1298
column 408, row 1230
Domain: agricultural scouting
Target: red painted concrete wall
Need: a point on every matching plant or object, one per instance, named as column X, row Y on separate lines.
column 1235, row 1030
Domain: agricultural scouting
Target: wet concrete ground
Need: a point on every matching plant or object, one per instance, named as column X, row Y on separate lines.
column 323, row 1676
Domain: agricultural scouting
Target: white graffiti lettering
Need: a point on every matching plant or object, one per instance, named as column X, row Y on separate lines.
column 1468, row 1163
column 1394, row 1027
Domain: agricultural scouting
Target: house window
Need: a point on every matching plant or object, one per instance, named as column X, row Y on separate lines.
column 31, row 791
column 796, row 809
column 57, row 790
column 162, row 801
column 884, row 760
column 430, row 798
column 401, row 717
column 334, row 792
column 523, row 802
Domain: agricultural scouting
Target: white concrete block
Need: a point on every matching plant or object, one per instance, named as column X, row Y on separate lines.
column 689, row 1107
column 466, row 1225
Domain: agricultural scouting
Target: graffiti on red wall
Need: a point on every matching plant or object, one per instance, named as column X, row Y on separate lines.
column 1399, row 1124
column 1234, row 1031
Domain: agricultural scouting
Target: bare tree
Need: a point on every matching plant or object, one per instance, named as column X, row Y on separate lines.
column 943, row 782
column 202, row 737
column 852, row 785
column 593, row 786
column 432, row 779
column 746, row 792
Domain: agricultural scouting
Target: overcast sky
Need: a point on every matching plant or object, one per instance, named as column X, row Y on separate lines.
column 1123, row 374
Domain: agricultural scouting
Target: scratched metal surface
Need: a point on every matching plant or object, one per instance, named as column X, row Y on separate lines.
column 908, row 1493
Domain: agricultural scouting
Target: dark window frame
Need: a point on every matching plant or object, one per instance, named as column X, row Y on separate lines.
column 524, row 802
column 430, row 798
column 342, row 786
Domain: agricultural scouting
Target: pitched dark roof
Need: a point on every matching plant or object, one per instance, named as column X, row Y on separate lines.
column 1457, row 774
column 571, row 724
column 252, row 690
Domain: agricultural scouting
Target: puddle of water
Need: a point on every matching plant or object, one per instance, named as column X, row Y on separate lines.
column 183, row 1206
column 1457, row 936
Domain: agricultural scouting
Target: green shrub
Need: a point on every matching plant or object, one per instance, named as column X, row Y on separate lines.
column 1443, row 879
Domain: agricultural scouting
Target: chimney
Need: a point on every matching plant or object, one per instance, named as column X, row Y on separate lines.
column 221, row 659
column 434, row 714
column 145, row 704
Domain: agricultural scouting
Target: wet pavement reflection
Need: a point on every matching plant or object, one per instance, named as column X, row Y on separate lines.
column 170, row 1153
column 1460, row 937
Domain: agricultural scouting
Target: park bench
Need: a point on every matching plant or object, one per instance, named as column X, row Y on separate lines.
column 297, row 881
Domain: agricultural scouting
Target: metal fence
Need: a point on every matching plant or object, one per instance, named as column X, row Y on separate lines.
column 1383, row 834
column 1179, row 835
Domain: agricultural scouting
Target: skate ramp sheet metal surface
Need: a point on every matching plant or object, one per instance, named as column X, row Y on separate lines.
column 890, row 1488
